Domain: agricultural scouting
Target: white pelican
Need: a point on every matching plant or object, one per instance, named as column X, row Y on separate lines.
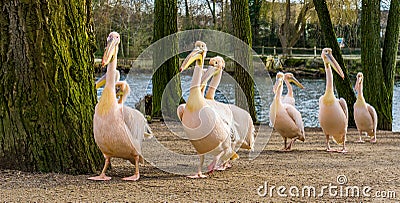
column 333, row 113
column 243, row 122
column 288, row 98
column 118, row 129
column 364, row 114
column 204, row 122
column 284, row 117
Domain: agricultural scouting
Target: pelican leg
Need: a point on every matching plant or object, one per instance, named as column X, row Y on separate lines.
column 360, row 139
column 103, row 176
column 373, row 140
column 199, row 173
column 290, row 144
column 285, row 144
column 213, row 164
column 344, row 148
column 136, row 176
column 328, row 148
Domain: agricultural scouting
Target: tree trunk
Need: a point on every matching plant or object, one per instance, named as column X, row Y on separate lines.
column 289, row 32
column 343, row 86
column 255, row 7
column 212, row 10
column 47, row 93
column 375, row 91
column 165, row 23
column 243, row 58
column 390, row 48
column 187, row 20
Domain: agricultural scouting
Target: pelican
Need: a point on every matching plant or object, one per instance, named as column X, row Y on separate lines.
column 284, row 117
column 118, row 129
column 288, row 98
column 364, row 114
column 122, row 87
column 206, row 124
column 243, row 122
column 333, row 113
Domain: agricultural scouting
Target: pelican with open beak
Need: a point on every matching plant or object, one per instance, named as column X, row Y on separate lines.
column 364, row 114
column 333, row 113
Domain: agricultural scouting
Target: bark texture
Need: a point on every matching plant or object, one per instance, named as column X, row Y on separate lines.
column 243, row 57
column 343, row 86
column 47, row 96
column 389, row 54
column 165, row 23
column 375, row 90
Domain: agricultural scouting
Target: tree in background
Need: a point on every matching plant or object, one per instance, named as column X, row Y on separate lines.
column 343, row 86
column 290, row 31
column 132, row 19
column 47, row 93
column 379, row 74
column 244, row 71
column 254, row 12
column 165, row 23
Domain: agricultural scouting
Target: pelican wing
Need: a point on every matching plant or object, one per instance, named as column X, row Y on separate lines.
column 272, row 114
column 180, row 110
column 136, row 126
column 343, row 104
column 374, row 116
column 296, row 117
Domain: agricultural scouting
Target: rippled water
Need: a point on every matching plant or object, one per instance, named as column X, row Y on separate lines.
column 306, row 99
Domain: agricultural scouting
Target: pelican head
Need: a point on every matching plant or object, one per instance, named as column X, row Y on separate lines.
column 198, row 54
column 279, row 79
column 329, row 60
column 217, row 64
column 111, row 49
column 359, row 82
column 290, row 77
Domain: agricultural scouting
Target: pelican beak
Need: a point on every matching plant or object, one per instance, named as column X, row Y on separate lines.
column 296, row 82
column 110, row 50
column 358, row 84
column 196, row 54
column 277, row 84
column 101, row 81
column 332, row 61
column 211, row 71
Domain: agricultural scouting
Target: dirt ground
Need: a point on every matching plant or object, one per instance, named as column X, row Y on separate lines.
column 373, row 169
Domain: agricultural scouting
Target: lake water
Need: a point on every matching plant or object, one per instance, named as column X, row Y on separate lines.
column 306, row 99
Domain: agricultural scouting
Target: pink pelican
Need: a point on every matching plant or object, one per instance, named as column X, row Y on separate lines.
column 284, row 117
column 118, row 129
column 364, row 114
column 243, row 122
column 333, row 113
column 204, row 122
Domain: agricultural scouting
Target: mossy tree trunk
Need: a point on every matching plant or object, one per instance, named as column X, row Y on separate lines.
column 389, row 54
column 343, row 86
column 244, row 69
column 378, row 71
column 47, row 96
column 165, row 23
